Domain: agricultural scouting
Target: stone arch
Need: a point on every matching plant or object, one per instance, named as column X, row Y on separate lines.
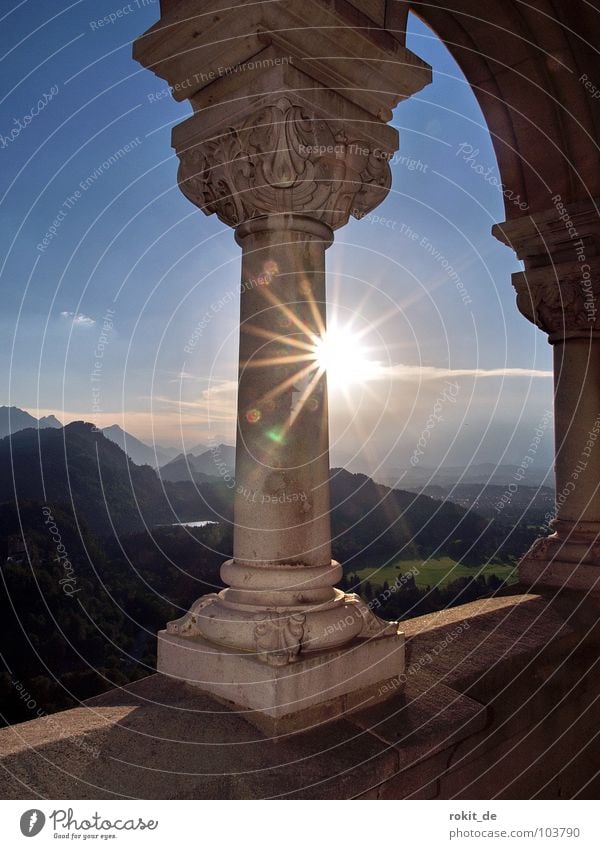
column 527, row 67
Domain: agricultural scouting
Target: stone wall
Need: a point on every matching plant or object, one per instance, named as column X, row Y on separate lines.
column 498, row 701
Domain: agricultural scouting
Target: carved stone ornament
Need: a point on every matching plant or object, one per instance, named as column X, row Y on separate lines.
column 560, row 306
column 187, row 625
column 373, row 626
column 279, row 637
column 285, row 160
column 548, row 549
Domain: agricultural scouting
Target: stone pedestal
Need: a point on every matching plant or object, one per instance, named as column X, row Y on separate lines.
column 284, row 149
column 319, row 687
column 560, row 292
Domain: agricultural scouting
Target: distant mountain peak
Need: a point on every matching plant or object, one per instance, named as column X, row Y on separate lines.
column 14, row 419
column 214, row 462
column 49, row 421
column 140, row 452
column 81, row 425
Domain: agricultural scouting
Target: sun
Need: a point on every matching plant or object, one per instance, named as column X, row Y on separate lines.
column 341, row 354
column 305, row 357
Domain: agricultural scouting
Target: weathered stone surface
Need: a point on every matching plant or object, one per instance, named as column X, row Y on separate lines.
column 288, row 696
column 159, row 739
column 289, row 152
column 508, row 724
column 560, row 287
column 334, row 42
column 559, row 291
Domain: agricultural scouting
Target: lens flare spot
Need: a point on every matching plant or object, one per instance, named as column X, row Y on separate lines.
column 253, row 416
column 271, row 268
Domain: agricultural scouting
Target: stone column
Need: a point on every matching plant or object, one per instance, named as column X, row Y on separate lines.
column 560, row 292
column 284, row 178
column 282, row 465
column 284, row 151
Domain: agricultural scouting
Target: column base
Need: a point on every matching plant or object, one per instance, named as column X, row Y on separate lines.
column 277, row 635
column 319, row 687
column 562, row 563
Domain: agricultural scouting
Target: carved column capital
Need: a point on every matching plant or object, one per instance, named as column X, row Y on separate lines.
column 281, row 159
column 559, row 290
column 563, row 301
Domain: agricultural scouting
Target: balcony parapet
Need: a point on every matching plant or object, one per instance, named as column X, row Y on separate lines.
column 481, row 700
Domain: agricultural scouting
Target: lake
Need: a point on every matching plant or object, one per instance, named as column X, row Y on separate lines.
column 199, row 524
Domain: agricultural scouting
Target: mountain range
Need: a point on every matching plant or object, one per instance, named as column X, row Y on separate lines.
column 73, row 463
column 141, row 453
column 13, row 419
column 536, row 503
column 217, row 462
column 415, row 478
column 79, row 470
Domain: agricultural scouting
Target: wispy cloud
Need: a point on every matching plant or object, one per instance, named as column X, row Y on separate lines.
column 419, row 373
column 180, row 376
column 216, row 403
column 78, row 319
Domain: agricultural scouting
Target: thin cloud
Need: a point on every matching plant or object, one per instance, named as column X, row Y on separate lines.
column 180, row 376
column 79, row 319
column 418, row 373
column 216, row 403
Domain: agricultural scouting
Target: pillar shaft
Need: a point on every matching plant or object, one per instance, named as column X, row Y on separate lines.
column 559, row 291
column 282, row 457
column 281, row 599
column 282, row 531
column 577, row 436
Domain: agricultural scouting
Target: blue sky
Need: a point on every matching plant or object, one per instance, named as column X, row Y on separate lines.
column 130, row 243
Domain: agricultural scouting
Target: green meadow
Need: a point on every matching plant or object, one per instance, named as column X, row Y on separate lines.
column 435, row 572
